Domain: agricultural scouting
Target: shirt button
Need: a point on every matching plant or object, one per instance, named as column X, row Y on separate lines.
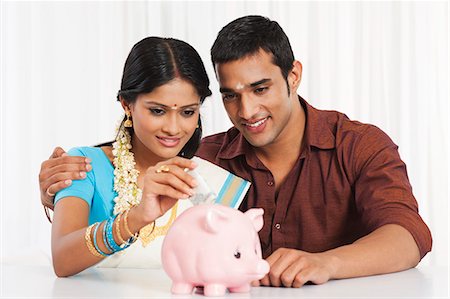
column 270, row 183
column 277, row 226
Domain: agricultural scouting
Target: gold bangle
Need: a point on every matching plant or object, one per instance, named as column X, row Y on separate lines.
column 127, row 229
column 119, row 236
column 90, row 246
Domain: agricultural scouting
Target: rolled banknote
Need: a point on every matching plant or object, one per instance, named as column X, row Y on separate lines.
column 217, row 185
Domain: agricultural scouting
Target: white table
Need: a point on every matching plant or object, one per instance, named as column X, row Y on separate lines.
column 40, row 281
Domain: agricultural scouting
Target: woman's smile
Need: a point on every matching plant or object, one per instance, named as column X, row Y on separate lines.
column 168, row 141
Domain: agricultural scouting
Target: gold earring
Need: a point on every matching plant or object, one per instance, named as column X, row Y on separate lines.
column 128, row 123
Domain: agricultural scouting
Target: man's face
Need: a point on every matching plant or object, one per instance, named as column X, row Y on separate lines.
column 256, row 97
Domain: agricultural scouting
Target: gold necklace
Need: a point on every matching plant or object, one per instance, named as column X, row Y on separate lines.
column 149, row 233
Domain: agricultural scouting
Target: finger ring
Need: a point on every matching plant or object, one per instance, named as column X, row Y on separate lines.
column 162, row 168
column 49, row 194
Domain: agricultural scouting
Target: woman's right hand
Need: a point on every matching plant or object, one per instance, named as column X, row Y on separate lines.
column 164, row 184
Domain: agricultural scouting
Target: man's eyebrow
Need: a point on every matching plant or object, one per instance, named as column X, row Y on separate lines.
column 225, row 89
column 262, row 81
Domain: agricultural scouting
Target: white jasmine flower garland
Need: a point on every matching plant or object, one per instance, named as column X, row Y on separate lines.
column 125, row 175
column 128, row 192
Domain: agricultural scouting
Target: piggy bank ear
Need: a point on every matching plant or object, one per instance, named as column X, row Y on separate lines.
column 256, row 216
column 214, row 220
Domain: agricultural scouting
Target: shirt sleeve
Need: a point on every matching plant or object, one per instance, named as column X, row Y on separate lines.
column 383, row 193
column 84, row 188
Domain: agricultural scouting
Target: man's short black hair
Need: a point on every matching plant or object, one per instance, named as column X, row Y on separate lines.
column 247, row 35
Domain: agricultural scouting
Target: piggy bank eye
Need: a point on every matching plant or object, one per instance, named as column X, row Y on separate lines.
column 237, row 254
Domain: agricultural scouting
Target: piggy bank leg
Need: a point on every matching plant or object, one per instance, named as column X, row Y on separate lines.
column 214, row 290
column 242, row 289
column 182, row 288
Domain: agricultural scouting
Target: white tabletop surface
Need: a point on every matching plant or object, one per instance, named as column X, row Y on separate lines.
column 27, row 281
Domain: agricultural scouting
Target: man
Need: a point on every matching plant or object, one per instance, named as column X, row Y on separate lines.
column 335, row 192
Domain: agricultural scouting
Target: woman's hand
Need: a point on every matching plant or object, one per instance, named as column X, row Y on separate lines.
column 164, row 184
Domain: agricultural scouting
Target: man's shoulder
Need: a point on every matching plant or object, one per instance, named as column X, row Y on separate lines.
column 345, row 132
column 362, row 132
column 344, row 128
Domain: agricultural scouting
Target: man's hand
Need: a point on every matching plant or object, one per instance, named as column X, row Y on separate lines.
column 389, row 248
column 58, row 172
column 293, row 268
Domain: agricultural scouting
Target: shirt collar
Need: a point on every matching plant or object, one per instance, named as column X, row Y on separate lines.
column 317, row 134
column 234, row 145
column 318, row 129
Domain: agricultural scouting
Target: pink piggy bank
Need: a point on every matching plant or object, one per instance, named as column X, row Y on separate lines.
column 216, row 247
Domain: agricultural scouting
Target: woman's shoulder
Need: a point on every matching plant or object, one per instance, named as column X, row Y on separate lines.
column 98, row 155
column 85, row 151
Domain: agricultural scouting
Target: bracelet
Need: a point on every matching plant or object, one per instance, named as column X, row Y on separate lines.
column 127, row 229
column 119, row 235
column 105, row 238
column 110, row 238
column 87, row 237
column 95, row 242
column 128, row 242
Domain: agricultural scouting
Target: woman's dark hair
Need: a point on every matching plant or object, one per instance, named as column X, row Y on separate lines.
column 246, row 36
column 154, row 61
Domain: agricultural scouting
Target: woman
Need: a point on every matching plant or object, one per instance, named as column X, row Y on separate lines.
column 129, row 199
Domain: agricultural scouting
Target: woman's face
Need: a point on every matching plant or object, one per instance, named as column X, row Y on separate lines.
column 165, row 119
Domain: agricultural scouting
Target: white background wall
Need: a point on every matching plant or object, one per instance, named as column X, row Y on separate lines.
column 384, row 63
